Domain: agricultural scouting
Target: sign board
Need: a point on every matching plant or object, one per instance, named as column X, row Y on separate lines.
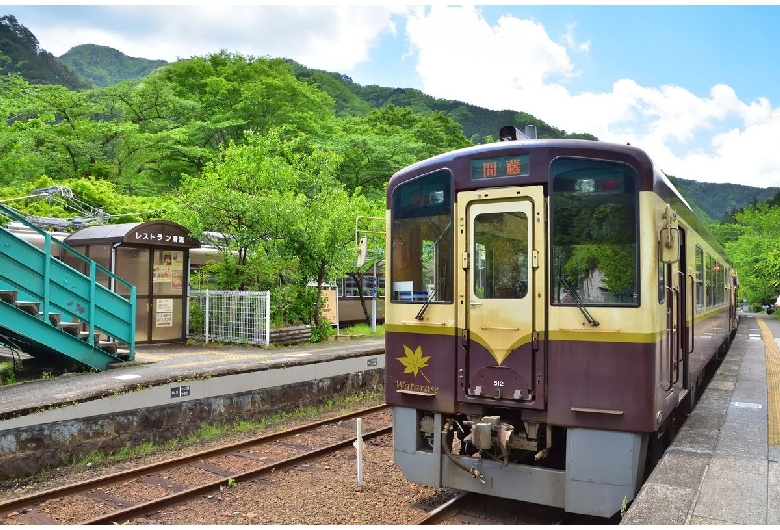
column 330, row 308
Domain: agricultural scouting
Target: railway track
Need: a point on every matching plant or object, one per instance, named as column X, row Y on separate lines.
column 175, row 481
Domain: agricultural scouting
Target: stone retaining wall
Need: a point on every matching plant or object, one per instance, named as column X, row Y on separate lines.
column 28, row 450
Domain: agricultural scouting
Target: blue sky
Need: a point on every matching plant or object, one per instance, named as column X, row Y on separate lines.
column 697, row 87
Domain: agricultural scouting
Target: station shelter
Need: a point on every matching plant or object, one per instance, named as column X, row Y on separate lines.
column 153, row 256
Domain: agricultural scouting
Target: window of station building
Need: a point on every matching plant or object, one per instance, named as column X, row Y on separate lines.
column 348, row 287
column 168, row 272
column 421, row 259
column 132, row 265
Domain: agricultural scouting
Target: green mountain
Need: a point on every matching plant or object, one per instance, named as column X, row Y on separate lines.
column 104, row 66
column 719, row 200
column 478, row 123
column 19, row 53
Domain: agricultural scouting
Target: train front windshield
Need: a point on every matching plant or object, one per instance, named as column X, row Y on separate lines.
column 594, row 211
column 422, row 239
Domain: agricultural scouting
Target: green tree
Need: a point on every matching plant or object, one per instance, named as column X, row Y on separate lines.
column 754, row 247
column 236, row 94
column 374, row 147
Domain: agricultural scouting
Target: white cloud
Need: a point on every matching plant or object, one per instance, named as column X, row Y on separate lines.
column 514, row 64
column 461, row 57
column 335, row 37
column 568, row 39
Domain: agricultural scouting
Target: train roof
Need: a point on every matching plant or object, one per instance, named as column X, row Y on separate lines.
column 547, row 149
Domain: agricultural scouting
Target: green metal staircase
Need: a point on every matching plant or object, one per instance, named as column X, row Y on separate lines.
column 51, row 311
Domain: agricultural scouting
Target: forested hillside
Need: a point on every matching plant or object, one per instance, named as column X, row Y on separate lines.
column 19, row 53
column 720, row 200
column 478, row 123
column 92, row 65
column 104, row 66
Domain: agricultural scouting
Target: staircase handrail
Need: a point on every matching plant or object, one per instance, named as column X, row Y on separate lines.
column 11, row 213
column 93, row 268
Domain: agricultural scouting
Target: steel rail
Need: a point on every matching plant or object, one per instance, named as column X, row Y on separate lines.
column 19, row 502
column 123, row 516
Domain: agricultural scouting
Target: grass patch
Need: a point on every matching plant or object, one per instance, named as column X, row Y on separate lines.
column 364, row 329
column 7, row 373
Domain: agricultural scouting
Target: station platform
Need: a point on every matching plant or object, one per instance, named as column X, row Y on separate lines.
column 160, row 365
column 723, row 467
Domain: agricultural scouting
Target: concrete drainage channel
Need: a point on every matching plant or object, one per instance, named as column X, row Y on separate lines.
column 161, row 413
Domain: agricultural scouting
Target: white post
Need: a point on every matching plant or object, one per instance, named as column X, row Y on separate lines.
column 359, row 446
column 268, row 317
column 206, row 319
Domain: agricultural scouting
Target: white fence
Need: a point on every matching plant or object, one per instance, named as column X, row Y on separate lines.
column 230, row 316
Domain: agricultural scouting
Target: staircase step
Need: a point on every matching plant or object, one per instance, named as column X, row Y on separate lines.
column 71, row 328
column 84, row 335
column 8, row 296
column 123, row 354
column 54, row 318
column 108, row 347
column 28, row 307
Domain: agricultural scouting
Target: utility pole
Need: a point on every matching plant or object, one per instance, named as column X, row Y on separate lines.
column 375, row 227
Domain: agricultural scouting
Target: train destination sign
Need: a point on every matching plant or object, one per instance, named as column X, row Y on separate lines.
column 501, row 166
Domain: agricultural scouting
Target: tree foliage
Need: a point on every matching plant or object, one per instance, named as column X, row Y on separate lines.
column 753, row 244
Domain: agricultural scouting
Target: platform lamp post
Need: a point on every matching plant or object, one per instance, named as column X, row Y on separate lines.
column 375, row 227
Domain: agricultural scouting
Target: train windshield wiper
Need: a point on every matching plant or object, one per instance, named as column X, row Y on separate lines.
column 577, row 300
column 421, row 312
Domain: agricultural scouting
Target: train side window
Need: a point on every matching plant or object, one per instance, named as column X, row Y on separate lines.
column 699, row 253
column 709, row 281
column 350, row 288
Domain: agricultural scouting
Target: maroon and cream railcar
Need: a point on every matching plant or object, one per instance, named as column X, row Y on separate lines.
column 551, row 307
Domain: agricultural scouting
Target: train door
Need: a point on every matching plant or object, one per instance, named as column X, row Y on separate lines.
column 687, row 311
column 679, row 313
column 501, row 296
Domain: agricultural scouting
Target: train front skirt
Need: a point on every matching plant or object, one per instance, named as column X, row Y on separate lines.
column 603, row 470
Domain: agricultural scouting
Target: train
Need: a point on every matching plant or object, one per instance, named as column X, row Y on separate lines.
column 350, row 308
column 554, row 307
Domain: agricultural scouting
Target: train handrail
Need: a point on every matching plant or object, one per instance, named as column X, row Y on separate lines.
column 674, row 360
column 682, row 291
column 669, row 336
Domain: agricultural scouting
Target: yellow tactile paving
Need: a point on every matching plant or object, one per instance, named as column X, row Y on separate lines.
column 772, row 383
column 220, row 356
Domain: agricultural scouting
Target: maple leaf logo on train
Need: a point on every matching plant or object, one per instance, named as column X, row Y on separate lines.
column 414, row 361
